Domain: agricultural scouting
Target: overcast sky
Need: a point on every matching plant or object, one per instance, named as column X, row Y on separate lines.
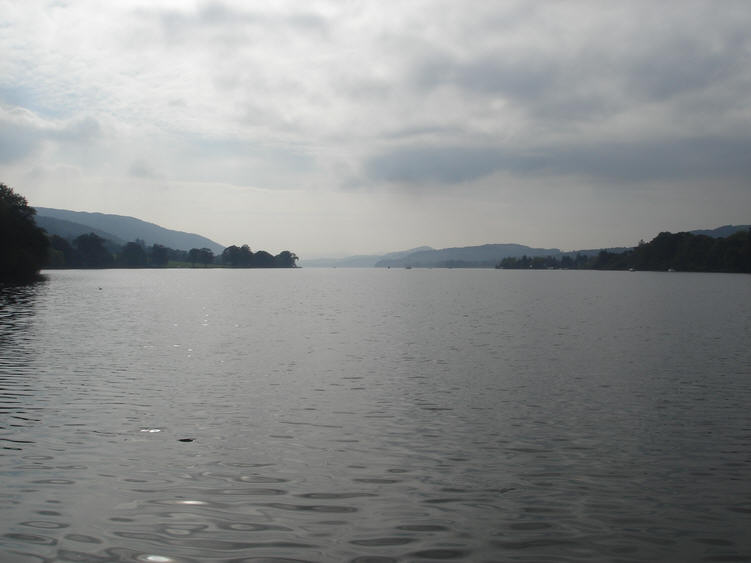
column 333, row 128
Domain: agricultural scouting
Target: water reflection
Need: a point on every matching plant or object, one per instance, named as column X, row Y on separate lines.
column 17, row 308
column 18, row 347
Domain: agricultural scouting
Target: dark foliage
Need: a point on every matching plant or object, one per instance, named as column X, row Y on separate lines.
column 177, row 255
column 25, row 248
column 133, row 255
column 285, row 259
column 243, row 257
column 200, row 256
column 684, row 252
column 23, row 245
column 62, row 254
column 92, row 252
column 159, row 255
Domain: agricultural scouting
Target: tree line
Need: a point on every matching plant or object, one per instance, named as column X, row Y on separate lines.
column 23, row 245
column 25, row 249
column 682, row 252
column 92, row 251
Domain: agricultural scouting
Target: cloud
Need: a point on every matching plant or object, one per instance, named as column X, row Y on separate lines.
column 142, row 169
column 635, row 162
column 441, row 165
column 656, row 160
column 18, row 135
column 221, row 22
column 478, row 97
column 560, row 63
column 84, row 129
column 22, row 132
column 517, row 79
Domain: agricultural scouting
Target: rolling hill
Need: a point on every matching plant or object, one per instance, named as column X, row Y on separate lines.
column 721, row 232
column 486, row 255
column 118, row 229
column 358, row 261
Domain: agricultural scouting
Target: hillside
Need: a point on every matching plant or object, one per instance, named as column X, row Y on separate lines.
column 482, row 256
column 358, row 261
column 68, row 224
column 486, row 255
column 721, row 232
column 679, row 252
column 70, row 230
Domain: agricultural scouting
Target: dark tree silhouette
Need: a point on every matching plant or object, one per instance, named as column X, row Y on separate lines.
column 177, row 255
column 23, row 245
column 246, row 256
column 285, row 259
column 92, row 251
column 205, row 256
column 263, row 259
column 200, row 255
column 238, row 257
column 242, row 257
column 159, row 255
column 231, row 256
column 62, row 254
column 683, row 252
column 133, row 256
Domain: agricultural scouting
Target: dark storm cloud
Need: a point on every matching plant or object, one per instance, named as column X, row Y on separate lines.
column 622, row 162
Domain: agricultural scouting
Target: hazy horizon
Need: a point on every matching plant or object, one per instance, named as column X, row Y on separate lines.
column 340, row 129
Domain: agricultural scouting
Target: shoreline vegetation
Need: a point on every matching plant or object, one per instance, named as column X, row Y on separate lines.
column 23, row 245
column 679, row 252
column 90, row 251
column 25, row 249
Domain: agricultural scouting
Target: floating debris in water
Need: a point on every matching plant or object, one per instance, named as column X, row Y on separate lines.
column 185, row 440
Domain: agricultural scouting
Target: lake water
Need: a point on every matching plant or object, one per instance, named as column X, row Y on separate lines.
column 375, row 416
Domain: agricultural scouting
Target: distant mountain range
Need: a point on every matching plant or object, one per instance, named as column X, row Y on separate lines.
column 360, row 260
column 721, row 232
column 118, row 229
column 466, row 256
column 483, row 256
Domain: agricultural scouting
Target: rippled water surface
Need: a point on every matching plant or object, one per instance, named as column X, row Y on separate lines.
column 375, row 416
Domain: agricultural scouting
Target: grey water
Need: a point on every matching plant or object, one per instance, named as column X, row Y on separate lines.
column 375, row 416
